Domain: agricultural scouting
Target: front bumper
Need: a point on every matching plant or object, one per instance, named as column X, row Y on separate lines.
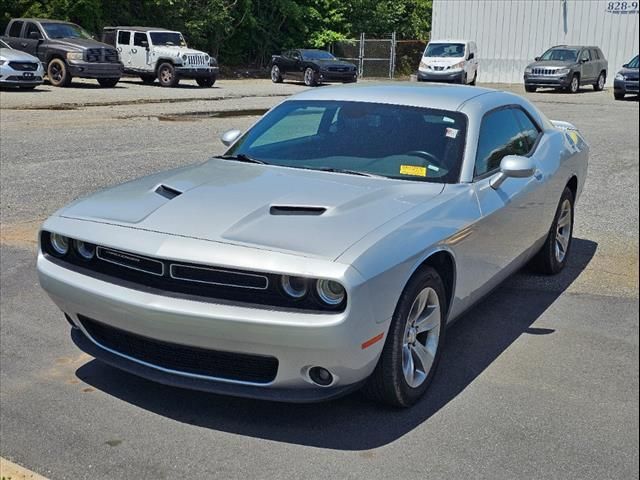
column 95, row 69
column 625, row 86
column 19, row 78
column 343, row 77
column 189, row 72
column 298, row 340
column 548, row 81
column 433, row 76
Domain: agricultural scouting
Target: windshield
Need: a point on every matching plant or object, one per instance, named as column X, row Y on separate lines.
column 393, row 141
column 3, row 45
column 633, row 63
column 561, row 55
column 317, row 55
column 168, row 39
column 444, row 50
column 64, row 30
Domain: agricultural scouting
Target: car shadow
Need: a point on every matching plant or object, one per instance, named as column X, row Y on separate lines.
column 181, row 85
column 353, row 423
column 85, row 86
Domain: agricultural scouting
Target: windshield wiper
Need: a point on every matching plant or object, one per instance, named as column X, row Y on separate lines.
column 242, row 157
column 349, row 172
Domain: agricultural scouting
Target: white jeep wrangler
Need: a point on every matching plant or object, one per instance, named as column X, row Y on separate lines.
column 163, row 54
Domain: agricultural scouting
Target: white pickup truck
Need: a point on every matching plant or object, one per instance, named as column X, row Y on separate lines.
column 163, row 54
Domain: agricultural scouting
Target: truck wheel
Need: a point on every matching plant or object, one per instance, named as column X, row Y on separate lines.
column 205, row 82
column 58, row 73
column 530, row 88
column 599, row 85
column 148, row 79
column 276, row 75
column 574, row 86
column 167, row 75
column 310, row 77
column 475, row 79
column 108, row 82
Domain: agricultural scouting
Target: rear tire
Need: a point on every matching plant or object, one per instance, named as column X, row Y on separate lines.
column 276, row 74
column 530, row 89
column 599, row 85
column 397, row 379
column 205, row 82
column 167, row 75
column 58, row 73
column 553, row 255
column 108, row 82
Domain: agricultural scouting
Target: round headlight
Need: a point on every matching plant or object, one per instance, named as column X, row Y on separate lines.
column 184, row 57
column 295, row 287
column 59, row 243
column 86, row 250
column 330, row 292
column 207, row 58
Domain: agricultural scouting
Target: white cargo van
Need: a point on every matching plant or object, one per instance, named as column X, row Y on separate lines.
column 454, row 61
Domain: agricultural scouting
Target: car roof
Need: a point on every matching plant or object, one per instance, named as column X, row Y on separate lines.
column 438, row 96
column 450, row 40
column 41, row 20
column 140, row 29
column 574, row 47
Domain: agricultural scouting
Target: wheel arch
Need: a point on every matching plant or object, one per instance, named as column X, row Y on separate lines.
column 442, row 260
column 572, row 185
column 162, row 60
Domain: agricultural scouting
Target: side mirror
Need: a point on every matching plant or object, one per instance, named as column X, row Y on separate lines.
column 230, row 136
column 471, row 56
column 537, row 59
column 584, row 60
column 513, row 166
column 35, row 36
column 144, row 44
column 626, row 65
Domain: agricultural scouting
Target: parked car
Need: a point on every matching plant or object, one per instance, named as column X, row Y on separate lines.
column 66, row 50
column 626, row 81
column 152, row 53
column 312, row 66
column 567, row 67
column 19, row 69
column 453, row 61
column 327, row 249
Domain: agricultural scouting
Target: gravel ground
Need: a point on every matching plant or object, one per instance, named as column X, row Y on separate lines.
column 539, row 381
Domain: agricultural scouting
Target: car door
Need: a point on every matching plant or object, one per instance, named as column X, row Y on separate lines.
column 31, row 40
column 123, row 45
column 14, row 35
column 588, row 66
column 513, row 213
column 140, row 51
column 297, row 67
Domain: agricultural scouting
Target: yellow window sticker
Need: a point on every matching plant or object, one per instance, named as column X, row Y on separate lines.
column 413, row 170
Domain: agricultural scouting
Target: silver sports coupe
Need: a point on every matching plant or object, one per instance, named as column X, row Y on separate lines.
column 326, row 250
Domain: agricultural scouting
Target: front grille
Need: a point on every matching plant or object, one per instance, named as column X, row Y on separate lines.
column 102, row 55
column 438, row 69
column 181, row 358
column 16, row 78
column 197, row 60
column 545, row 71
column 338, row 69
column 24, row 66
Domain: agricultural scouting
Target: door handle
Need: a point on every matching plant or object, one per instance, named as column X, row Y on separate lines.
column 119, row 49
column 23, row 44
column 134, row 50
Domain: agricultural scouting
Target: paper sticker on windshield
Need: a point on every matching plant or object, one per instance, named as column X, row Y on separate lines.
column 452, row 132
column 413, row 170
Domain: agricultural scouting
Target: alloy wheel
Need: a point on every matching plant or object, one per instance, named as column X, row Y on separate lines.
column 563, row 231
column 421, row 337
column 275, row 74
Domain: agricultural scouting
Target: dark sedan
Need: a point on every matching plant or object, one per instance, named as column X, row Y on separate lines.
column 312, row 66
column 626, row 81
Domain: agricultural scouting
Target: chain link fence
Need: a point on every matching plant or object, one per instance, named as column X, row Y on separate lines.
column 381, row 57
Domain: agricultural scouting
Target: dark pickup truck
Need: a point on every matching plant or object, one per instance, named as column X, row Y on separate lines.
column 66, row 51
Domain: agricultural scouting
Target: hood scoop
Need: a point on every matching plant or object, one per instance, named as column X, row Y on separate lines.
column 167, row 192
column 296, row 210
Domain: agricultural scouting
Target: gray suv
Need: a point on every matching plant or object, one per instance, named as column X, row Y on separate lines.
column 567, row 67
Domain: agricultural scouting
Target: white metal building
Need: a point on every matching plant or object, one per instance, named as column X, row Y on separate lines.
column 511, row 33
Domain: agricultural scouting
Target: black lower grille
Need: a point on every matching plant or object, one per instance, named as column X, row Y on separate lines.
column 24, row 66
column 181, row 358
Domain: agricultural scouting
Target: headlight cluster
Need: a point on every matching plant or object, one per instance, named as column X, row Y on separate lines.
column 329, row 292
column 457, row 65
column 563, row 71
column 528, row 70
column 75, row 56
column 61, row 246
column 621, row 77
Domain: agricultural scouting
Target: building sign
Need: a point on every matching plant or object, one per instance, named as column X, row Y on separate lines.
column 623, row 7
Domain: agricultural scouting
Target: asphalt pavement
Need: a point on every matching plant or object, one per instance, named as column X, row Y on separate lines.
column 538, row 381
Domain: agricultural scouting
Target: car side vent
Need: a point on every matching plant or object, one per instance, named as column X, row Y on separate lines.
column 296, row 210
column 167, row 192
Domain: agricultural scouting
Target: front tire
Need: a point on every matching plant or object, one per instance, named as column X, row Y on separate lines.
column 530, row 89
column 599, row 85
column 167, row 75
column 205, row 82
column 108, row 82
column 413, row 347
column 574, row 86
column 310, row 77
column 553, row 255
column 618, row 96
column 276, row 74
column 58, row 73
column 475, row 79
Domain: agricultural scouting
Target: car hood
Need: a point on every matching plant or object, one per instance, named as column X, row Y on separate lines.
column 176, row 51
column 80, row 43
column 332, row 63
column 442, row 61
column 630, row 73
column 12, row 55
column 551, row 64
column 256, row 205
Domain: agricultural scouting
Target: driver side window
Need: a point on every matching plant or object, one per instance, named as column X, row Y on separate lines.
column 32, row 28
column 139, row 38
column 500, row 135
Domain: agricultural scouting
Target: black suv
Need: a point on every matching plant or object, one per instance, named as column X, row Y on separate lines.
column 66, row 50
column 567, row 67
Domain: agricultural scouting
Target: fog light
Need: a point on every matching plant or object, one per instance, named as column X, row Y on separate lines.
column 330, row 292
column 295, row 287
column 320, row 376
column 86, row 250
column 59, row 243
